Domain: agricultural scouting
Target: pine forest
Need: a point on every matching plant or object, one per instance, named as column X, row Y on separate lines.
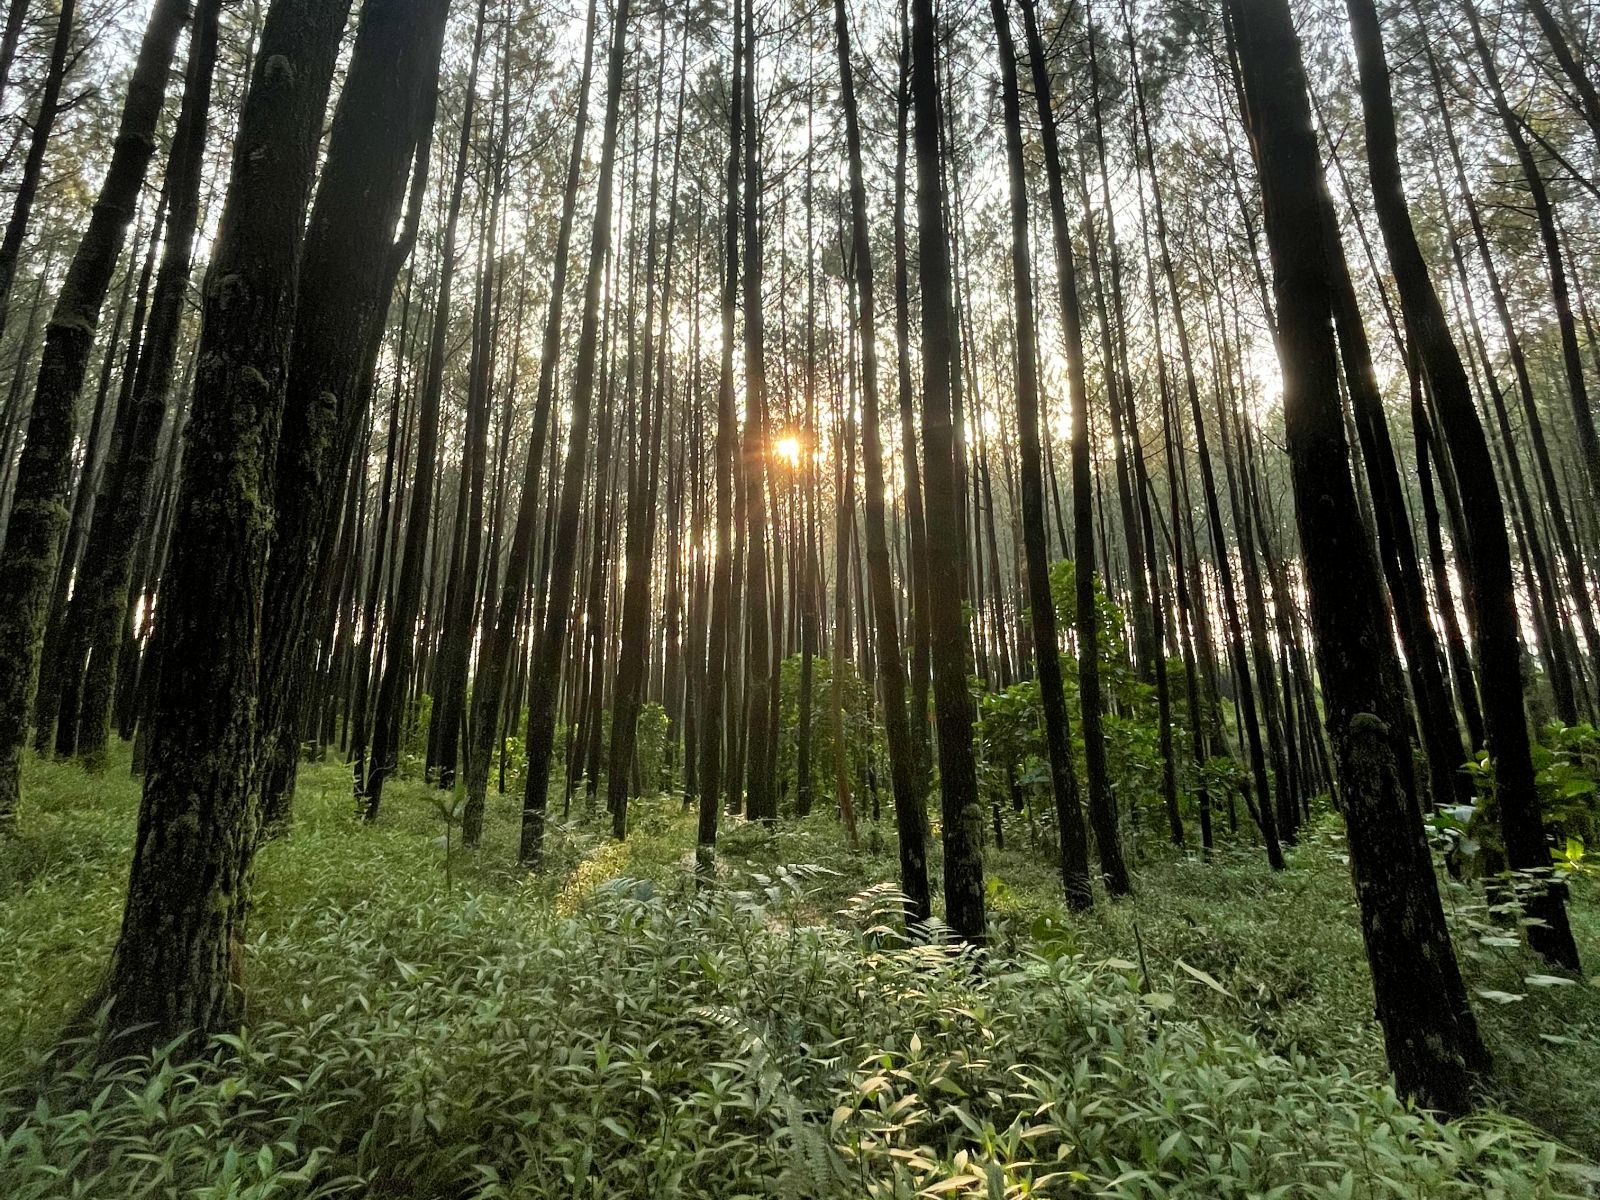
column 799, row 598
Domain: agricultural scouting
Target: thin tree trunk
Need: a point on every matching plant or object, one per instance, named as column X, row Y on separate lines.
column 98, row 629
column 403, row 639
column 33, row 165
column 490, row 685
column 632, row 656
column 98, row 450
column 38, row 514
column 721, row 648
column 544, row 679
column 1102, row 804
column 911, row 817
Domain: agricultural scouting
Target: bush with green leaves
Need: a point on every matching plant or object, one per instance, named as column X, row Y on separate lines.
column 1012, row 757
column 1566, row 761
column 767, row 1033
column 862, row 732
column 414, row 737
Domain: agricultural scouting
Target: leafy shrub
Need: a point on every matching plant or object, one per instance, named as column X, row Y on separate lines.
column 653, row 748
column 862, row 736
column 1012, row 755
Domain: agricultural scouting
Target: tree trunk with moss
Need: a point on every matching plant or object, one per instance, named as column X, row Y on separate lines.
column 177, row 965
column 100, row 599
column 98, row 460
column 382, row 125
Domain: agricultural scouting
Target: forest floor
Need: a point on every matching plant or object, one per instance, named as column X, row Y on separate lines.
column 424, row 1021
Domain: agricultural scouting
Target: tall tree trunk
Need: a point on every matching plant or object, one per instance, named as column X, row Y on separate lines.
column 719, row 651
column 98, row 625
column 177, row 967
column 64, row 705
column 1265, row 815
column 633, row 655
column 1153, row 660
column 38, row 514
column 916, row 519
column 758, row 615
column 545, row 678
column 462, row 616
column 1527, row 847
column 403, row 639
column 1429, row 1032
column 33, row 164
column 97, row 450
column 489, row 688
column 1102, row 805
column 951, row 653
column 381, row 127
column 1441, row 737
column 911, row 816
column 1046, row 644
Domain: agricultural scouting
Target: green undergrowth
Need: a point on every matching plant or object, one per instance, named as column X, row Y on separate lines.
column 425, row 1022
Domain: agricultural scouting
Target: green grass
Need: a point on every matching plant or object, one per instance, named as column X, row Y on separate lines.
column 478, row 1032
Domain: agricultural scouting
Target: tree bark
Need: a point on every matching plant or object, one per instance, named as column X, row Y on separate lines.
column 1429, row 1031
column 177, row 968
column 911, row 816
column 951, row 651
column 33, row 164
column 382, row 125
column 489, row 690
column 403, row 637
column 545, row 677
column 98, row 623
column 1491, row 583
column 1102, row 804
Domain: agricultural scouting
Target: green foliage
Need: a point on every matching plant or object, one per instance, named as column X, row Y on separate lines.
column 580, row 1034
column 1109, row 620
column 414, row 737
column 861, row 733
column 652, row 748
column 704, row 1043
column 1010, row 731
column 1566, row 763
column 515, row 752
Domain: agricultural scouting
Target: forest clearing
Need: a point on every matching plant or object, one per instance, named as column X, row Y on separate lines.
column 799, row 598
